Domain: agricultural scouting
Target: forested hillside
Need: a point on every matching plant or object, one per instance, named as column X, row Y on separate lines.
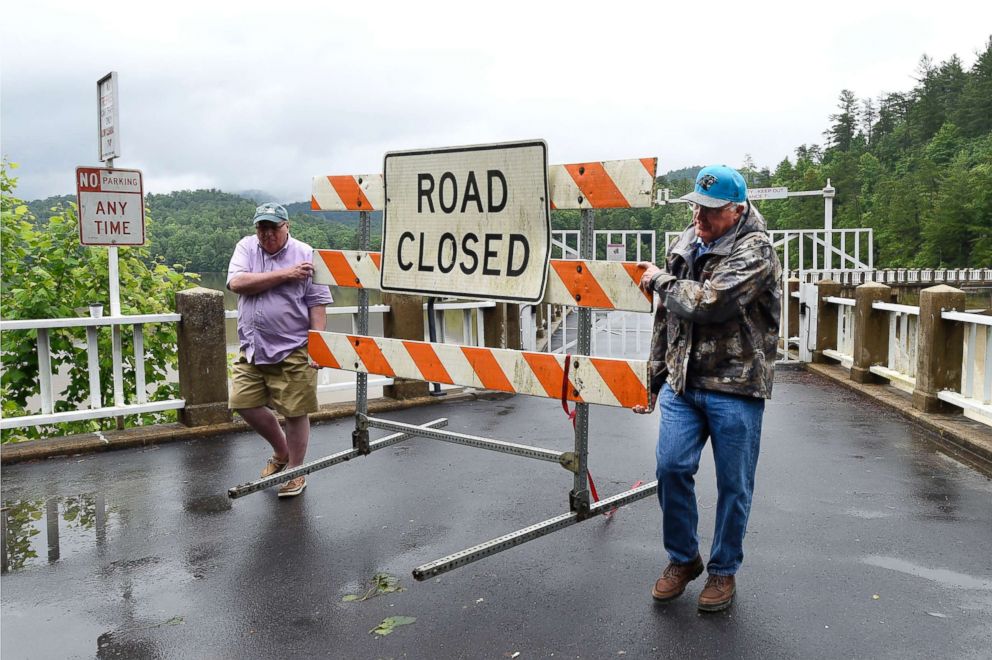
column 915, row 166
column 198, row 229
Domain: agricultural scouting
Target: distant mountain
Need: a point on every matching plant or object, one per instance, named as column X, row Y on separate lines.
column 257, row 196
column 684, row 174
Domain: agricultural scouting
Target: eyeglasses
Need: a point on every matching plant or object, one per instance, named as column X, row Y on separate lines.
column 707, row 210
column 268, row 227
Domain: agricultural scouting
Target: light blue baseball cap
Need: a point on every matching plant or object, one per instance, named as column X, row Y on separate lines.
column 716, row 185
column 271, row 212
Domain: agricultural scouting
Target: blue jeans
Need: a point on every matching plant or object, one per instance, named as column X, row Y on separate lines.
column 733, row 423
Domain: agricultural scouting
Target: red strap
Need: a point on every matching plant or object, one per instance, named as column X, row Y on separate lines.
column 592, row 487
column 571, row 416
column 564, row 391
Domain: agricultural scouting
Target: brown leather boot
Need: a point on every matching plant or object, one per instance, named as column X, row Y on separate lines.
column 674, row 579
column 718, row 593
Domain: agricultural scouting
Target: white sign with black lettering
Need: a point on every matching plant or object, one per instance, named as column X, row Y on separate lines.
column 469, row 222
column 108, row 116
column 779, row 192
column 111, row 206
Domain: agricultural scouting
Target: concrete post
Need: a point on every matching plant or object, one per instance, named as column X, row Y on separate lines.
column 940, row 349
column 405, row 320
column 202, row 347
column 826, row 320
column 494, row 325
column 539, row 320
column 871, row 331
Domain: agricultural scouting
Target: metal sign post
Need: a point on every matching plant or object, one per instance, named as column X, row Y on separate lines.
column 578, row 499
column 360, row 437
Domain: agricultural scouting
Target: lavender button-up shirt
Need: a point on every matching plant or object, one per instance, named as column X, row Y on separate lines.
column 274, row 323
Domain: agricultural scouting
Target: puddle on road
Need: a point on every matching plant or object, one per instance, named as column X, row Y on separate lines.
column 942, row 576
column 37, row 532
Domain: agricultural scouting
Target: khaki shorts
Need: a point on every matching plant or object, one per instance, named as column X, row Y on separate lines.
column 290, row 386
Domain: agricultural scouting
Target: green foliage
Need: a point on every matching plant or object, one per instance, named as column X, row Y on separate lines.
column 913, row 166
column 390, row 623
column 381, row 583
column 47, row 274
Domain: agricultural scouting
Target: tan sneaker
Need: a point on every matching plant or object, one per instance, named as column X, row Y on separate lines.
column 674, row 579
column 718, row 593
column 293, row 487
column 274, row 465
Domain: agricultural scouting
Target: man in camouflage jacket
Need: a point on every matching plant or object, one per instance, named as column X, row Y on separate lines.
column 711, row 366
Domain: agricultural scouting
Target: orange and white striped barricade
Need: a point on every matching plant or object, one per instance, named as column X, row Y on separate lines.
column 607, row 285
column 363, row 192
column 583, row 283
column 611, row 184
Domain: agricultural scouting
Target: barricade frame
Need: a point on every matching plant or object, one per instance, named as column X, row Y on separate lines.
column 580, row 500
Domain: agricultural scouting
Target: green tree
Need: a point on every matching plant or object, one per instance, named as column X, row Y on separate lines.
column 45, row 274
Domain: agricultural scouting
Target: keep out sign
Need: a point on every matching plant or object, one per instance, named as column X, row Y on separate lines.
column 469, row 222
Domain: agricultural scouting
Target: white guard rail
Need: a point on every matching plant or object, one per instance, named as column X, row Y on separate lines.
column 844, row 352
column 976, row 375
column 96, row 409
column 900, row 366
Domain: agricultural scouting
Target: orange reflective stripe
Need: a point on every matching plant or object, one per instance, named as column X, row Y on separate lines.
column 580, row 284
column 550, row 374
column 622, row 381
column 341, row 270
column 314, row 206
column 635, row 273
column 597, row 186
column 428, row 362
column 487, row 369
column 376, row 259
column 650, row 164
column 350, row 192
column 371, row 356
column 319, row 351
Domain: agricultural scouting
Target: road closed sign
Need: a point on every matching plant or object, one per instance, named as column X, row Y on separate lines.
column 111, row 206
column 469, row 222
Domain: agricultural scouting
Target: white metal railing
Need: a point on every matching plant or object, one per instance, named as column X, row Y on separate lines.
column 856, row 276
column 96, row 408
column 637, row 245
column 900, row 366
column 975, row 393
column 608, row 325
column 844, row 351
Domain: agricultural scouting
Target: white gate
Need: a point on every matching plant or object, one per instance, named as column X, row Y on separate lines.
column 807, row 321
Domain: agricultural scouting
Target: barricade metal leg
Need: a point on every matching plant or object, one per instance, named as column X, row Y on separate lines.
column 565, row 459
column 360, row 436
column 508, row 541
column 578, row 498
column 327, row 461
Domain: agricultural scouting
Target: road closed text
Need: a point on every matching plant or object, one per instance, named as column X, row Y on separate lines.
column 470, row 222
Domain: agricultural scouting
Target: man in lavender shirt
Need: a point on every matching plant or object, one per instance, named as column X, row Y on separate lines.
column 278, row 303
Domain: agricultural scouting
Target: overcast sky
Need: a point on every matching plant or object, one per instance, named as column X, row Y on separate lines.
column 264, row 96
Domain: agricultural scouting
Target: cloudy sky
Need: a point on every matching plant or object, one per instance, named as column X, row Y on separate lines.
column 263, row 96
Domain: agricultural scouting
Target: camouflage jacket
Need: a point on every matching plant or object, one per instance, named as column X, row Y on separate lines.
column 716, row 327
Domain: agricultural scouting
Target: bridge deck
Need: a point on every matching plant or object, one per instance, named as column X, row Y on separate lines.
column 864, row 542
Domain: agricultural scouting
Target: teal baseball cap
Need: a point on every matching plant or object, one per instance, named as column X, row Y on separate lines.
column 716, row 185
column 271, row 212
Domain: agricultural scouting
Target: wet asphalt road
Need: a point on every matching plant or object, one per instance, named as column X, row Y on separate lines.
column 864, row 542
